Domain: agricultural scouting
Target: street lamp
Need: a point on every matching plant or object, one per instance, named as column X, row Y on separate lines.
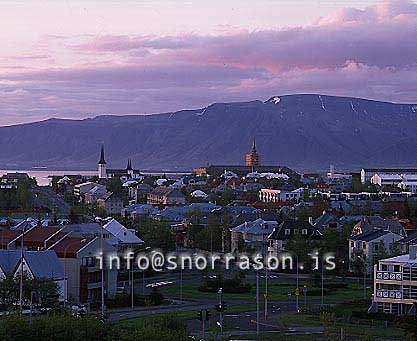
column 221, row 312
column 257, row 303
column 102, row 222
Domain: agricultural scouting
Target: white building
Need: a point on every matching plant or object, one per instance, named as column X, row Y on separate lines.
column 368, row 173
column 395, row 285
column 384, row 179
column 277, row 195
column 370, row 244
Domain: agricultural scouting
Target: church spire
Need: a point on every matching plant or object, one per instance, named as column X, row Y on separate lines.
column 254, row 146
column 129, row 165
column 102, row 160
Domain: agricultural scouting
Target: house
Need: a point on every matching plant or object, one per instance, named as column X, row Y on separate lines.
column 112, row 204
column 253, row 233
column 198, row 194
column 370, row 245
column 35, row 264
column 407, row 242
column 11, row 180
column 97, row 192
column 36, row 238
column 126, row 238
column 327, row 222
column 81, row 189
column 371, row 223
column 395, row 285
column 139, row 192
column 288, row 229
column 166, row 196
column 81, row 268
column 139, row 211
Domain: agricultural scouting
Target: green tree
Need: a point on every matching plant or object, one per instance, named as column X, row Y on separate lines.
column 157, row 235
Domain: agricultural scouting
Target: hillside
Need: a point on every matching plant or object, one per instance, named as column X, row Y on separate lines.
column 300, row 131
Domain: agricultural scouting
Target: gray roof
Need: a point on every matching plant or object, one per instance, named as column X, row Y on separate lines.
column 9, row 260
column 259, row 226
column 370, row 235
column 42, row 264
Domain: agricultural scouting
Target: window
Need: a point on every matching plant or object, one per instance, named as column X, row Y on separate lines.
column 287, row 232
column 304, row 231
column 352, row 244
column 363, row 245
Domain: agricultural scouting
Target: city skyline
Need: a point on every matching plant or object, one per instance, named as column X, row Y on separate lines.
column 82, row 59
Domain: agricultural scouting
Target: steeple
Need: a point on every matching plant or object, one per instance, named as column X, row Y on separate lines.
column 102, row 160
column 129, row 165
column 254, row 146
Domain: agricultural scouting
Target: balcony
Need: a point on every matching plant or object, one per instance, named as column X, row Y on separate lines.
column 389, row 276
column 395, row 294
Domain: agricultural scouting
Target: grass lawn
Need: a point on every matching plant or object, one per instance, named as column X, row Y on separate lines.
column 276, row 291
column 356, row 328
column 187, row 315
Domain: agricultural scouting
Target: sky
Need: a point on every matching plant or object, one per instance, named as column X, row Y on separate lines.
column 79, row 59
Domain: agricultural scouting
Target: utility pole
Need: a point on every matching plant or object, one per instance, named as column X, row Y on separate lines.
column 257, row 303
column 181, row 283
column 21, row 273
column 101, row 221
column 221, row 312
column 322, row 282
column 364, row 279
column 298, row 289
column 133, row 289
column 266, row 291
column 102, row 270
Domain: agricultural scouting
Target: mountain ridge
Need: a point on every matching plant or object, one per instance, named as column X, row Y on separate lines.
column 302, row 131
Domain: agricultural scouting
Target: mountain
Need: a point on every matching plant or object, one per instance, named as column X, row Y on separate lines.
column 299, row 131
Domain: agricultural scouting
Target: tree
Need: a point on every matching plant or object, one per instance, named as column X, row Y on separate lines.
column 157, row 235
column 9, row 292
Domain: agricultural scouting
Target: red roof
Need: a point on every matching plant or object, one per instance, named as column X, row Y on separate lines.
column 37, row 236
column 69, row 246
column 6, row 236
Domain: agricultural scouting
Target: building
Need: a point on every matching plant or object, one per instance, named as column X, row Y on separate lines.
column 241, row 171
column 368, row 173
column 277, row 195
column 126, row 238
column 97, row 192
column 112, row 204
column 384, row 179
column 127, row 173
column 11, row 180
column 395, row 285
column 252, row 158
column 289, row 229
column 82, row 189
column 35, row 264
column 254, row 234
column 81, row 268
column 370, row 245
column 166, row 196
column 372, row 223
column 327, row 222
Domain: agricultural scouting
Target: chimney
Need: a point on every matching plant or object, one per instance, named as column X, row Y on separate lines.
column 413, row 251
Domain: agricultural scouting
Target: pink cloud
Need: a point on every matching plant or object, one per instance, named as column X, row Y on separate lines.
column 368, row 53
